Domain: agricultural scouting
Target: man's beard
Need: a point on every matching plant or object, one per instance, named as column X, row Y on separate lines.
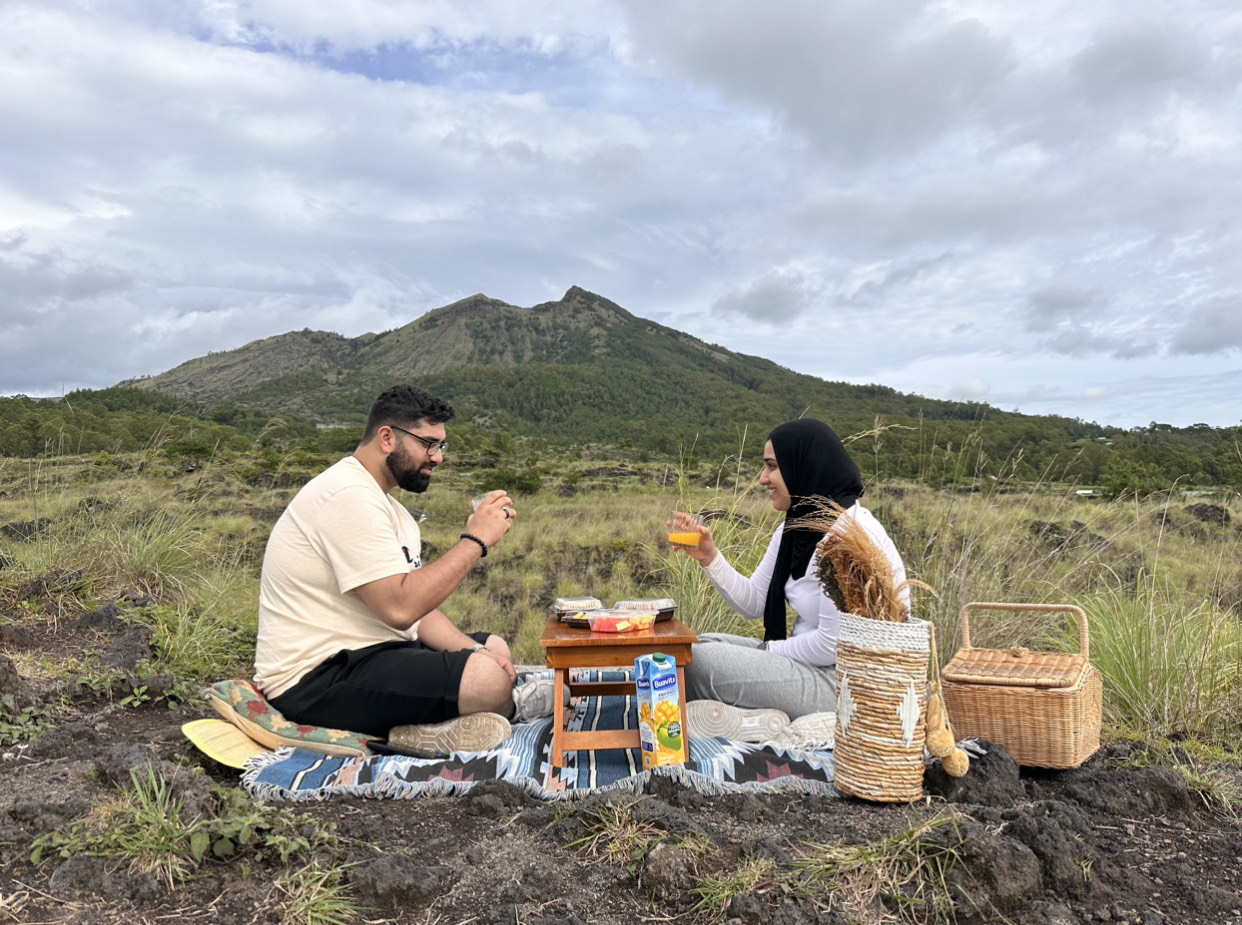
column 406, row 475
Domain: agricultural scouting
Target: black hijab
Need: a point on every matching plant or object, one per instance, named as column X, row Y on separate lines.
column 814, row 464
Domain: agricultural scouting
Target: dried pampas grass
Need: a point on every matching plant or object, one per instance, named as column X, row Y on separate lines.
column 853, row 570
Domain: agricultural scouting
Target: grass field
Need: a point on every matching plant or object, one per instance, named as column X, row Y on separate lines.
column 1160, row 579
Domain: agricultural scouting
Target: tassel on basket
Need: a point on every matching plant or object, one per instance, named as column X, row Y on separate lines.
column 941, row 742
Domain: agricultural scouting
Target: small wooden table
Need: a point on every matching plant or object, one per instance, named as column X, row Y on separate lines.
column 569, row 647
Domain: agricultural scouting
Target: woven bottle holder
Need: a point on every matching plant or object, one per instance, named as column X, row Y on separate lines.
column 881, row 708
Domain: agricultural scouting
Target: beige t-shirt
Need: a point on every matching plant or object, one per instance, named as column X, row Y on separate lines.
column 340, row 531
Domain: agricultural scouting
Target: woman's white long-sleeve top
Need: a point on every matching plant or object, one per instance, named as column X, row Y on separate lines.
column 815, row 631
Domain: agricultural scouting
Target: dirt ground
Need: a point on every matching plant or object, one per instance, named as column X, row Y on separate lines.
column 1112, row 841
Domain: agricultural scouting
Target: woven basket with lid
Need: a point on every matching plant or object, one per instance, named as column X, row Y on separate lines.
column 1044, row 707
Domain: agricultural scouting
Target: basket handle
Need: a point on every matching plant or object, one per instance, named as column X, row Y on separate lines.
column 1083, row 638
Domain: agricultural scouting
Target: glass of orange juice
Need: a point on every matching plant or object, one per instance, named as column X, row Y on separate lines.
column 684, row 532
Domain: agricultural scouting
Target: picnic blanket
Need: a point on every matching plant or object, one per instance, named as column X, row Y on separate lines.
column 715, row 766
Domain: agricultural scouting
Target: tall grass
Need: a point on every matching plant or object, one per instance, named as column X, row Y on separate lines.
column 1168, row 668
column 141, row 530
column 1155, row 583
column 158, row 552
column 1163, row 590
column 195, row 644
column 741, row 522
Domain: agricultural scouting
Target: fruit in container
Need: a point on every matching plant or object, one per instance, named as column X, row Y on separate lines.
column 620, row 621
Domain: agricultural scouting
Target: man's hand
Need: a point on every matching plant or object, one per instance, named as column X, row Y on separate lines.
column 403, row 600
column 436, row 631
column 493, row 519
column 498, row 649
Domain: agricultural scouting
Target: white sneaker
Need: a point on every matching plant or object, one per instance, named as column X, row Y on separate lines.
column 474, row 732
column 536, row 699
column 812, row 732
column 713, row 718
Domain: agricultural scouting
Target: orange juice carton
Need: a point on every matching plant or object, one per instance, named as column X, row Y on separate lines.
column 659, row 711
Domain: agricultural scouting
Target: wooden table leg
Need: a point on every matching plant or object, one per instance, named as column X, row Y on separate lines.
column 558, row 719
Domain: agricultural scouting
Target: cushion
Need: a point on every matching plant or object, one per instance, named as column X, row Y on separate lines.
column 242, row 705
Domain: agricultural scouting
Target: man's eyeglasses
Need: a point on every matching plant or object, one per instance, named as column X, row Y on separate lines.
column 430, row 444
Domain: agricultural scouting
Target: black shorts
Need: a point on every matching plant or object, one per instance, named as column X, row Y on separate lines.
column 373, row 689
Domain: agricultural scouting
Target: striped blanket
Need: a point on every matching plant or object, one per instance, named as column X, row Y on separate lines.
column 715, row 766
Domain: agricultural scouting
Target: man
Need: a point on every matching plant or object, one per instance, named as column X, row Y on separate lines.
column 350, row 631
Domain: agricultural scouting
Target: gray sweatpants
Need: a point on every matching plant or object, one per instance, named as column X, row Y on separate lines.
column 734, row 670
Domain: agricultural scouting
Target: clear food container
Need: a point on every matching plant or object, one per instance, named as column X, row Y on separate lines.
column 620, row 621
column 663, row 607
column 568, row 608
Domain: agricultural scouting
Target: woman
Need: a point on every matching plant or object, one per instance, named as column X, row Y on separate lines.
column 749, row 690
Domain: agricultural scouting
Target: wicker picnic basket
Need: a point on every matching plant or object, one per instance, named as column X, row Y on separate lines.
column 1044, row 707
column 881, row 708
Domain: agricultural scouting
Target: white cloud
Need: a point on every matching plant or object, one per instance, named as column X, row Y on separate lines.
column 1212, row 327
column 1033, row 203
column 776, row 297
column 971, row 389
column 883, row 79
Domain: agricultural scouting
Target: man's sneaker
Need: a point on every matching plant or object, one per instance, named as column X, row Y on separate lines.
column 713, row 718
column 812, row 732
column 474, row 732
column 536, row 699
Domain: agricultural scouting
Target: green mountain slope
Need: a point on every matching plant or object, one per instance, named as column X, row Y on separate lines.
column 582, row 329
column 218, row 376
column 581, row 370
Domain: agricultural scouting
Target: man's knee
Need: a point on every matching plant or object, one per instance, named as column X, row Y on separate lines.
column 485, row 687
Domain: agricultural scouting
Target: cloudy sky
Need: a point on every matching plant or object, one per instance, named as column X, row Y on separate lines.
column 1035, row 205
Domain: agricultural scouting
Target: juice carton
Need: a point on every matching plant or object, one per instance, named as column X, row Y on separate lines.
column 659, row 711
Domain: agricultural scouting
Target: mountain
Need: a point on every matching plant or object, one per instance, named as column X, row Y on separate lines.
column 578, row 370
column 580, row 329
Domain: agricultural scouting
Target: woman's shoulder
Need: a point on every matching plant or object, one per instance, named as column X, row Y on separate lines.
column 864, row 514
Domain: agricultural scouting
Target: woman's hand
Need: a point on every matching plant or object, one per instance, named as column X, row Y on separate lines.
column 687, row 523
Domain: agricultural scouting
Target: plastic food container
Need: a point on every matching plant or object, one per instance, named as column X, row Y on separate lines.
column 571, row 609
column 663, row 607
column 620, row 621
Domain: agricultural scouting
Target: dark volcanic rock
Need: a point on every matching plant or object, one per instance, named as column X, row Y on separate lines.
column 668, row 872
column 12, row 685
column 63, row 740
column 391, row 882
column 994, row 874
column 16, row 637
column 1054, row 836
column 993, row 779
column 1123, row 792
column 1209, row 513
column 81, row 875
column 135, row 599
column 496, row 798
column 56, row 581
column 105, row 619
column 129, row 649
column 25, row 530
